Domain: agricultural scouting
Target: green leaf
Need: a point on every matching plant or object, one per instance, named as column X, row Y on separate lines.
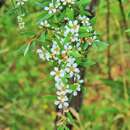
column 129, row 15
column 83, row 29
column 28, row 33
column 127, row 30
column 74, row 53
column 49, row 97
column 66, row 128
column 45, row 16
column 61, row 128
column 87, row 63
column 70, row 118
column 85, row 46
column 27, row 49
column 70, row 13
column 84, row 2
column 101, row 46
column 42, row 37
column 73, row 87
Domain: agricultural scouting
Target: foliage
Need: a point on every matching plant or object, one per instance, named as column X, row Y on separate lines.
column 26, row 90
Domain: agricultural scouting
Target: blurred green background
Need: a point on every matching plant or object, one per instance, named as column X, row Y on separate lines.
column 27, row 91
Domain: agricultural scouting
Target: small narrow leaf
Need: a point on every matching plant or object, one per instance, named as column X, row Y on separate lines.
column 26, row 50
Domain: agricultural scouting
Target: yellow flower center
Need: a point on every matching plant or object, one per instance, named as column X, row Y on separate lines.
column 75, row 27
column 72, row 68
column 58, row 73
column 56, row 49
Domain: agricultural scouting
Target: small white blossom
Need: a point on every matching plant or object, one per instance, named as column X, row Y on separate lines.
column 57, row 73
column 75, row 37
column 61, row 91
column 21, row 2
column 78, row 89
column 70, row 61
column 74, row 27
column 51, row 9
column 67, row 2
column 44, row 24
column 84, row 20
column 62, row 102
column 20, row 21
column 72, row 69
column 40, row 53
column 55, row 48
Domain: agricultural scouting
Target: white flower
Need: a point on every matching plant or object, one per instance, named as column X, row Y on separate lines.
column 84, row 20
column 59, row 85
column 74, row 27
column 51, row 56
column 70, row 61
column 19, row 18
column 62, row 102
column 44, row 24
column 47, row 56
column 55, row 48
column 78, row 45
column 75, row 37
column 21, row 25
column 61, row 91
column 78, row 79
column 64, row 53
column 89, row 29
column 52, row 9
column 20, row 21
column 68, row 2
column 58, row 74
column 78, row 89
column 72, row 69
column 67, row 30
column 40, row 53
column 58, row 5
column 20, row 2
column 67, row 47
column 62, row 99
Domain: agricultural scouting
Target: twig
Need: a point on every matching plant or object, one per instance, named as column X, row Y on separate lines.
column 108, row 39
column 91, row 8
column 124, row 24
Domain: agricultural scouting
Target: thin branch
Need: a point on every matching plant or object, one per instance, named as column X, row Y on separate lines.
column 91, row 8
column 76, row 102
column 124, row 24
column 108, row 39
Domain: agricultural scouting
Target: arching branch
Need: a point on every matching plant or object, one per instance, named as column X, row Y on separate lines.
column 76, row 102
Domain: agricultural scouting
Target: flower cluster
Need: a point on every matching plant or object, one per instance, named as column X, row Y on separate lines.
column 20, row 21
column 20, row 4
column 73, row 35
column 66, row 72
column 58, row 5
